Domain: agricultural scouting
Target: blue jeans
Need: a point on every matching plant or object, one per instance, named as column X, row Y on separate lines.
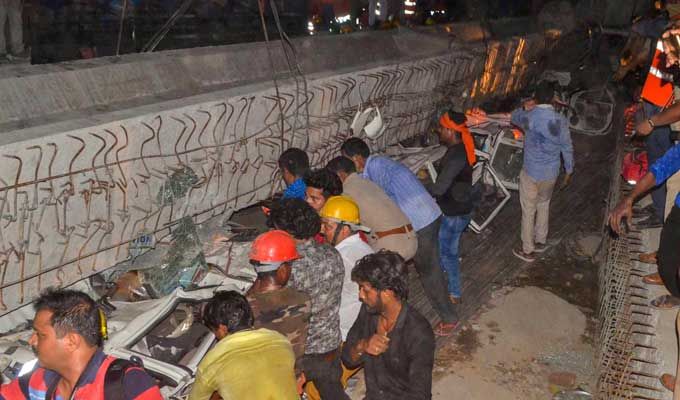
column 658, row 143
column 449, row 237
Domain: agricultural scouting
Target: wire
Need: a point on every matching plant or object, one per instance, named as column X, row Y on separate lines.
column 260, row 6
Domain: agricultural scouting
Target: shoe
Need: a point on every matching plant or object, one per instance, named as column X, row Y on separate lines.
column 541, row 247
column 668, row 381
column 649, row 223
column 665, row 302
column 647, row 258
column 519, row 253
column 445, row 329
column 455, row 299
column 652, row 279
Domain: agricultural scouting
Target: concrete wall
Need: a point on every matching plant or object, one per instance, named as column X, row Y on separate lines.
column 94, row 154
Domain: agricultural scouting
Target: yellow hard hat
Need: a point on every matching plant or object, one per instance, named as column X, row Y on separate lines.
column 341, row 208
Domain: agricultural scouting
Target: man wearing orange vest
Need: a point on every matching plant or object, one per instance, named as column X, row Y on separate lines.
column 657, row 94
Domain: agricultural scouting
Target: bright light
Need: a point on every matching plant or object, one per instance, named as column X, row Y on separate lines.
column 344, row 18
column 431, row 12
column 357, row 21
column 409, row 3
column 310, row 26
column 632, row 182
column 409, row 12
column 377, row 12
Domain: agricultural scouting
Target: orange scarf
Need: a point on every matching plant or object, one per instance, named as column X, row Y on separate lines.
column 465, row 136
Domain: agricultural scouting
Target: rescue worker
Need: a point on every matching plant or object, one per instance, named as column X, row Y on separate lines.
column 392, row 340
column 340, row 226
column 453, row 191
column 390, row 227
column 657, row 93
column 320, row 185
column 422, row 210
column 68, row 330
column 547, row 137
column 241, row 353
column 294, row 164
column 318, row 272
column 275, row 306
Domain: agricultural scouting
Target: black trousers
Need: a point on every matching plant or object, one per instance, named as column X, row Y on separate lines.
column 431, row 274
column 668, row 256
column 325, row 371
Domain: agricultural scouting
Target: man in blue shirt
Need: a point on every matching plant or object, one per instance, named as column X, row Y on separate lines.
column 668, row 256
column 546, row 138
column 402, row 186
column 294, row 163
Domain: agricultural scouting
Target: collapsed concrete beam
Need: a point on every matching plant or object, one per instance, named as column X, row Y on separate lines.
column 97, row 154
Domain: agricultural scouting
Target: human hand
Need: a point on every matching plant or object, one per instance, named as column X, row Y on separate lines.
column 623, row 210
column 566, row 181
column 644, row 128
column 377, row 344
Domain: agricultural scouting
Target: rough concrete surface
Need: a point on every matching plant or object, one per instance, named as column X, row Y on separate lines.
column 510, row 349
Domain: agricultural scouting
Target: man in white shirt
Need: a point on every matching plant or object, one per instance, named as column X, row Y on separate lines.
column 340, row 224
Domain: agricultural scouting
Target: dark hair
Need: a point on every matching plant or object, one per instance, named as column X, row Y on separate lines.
column 72, row 312
column 341, row 164
column 355, row 146
column 384, row 270
column 294, row 161
column 296, row 217
column 456, row 116
column 228, row 308
column 325, row 180
column 544, row 93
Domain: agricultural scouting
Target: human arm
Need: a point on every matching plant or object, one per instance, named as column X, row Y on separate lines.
column 666, row 117
column 625, row 207
column 202, row 389
column 361, row 342
column 567, row 150
column 453, row 163
column 138, row 385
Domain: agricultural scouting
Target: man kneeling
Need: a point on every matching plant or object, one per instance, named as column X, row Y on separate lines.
column 246, row 363
column 393, row 341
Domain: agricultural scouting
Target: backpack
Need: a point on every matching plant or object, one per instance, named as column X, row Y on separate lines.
column 113, row 379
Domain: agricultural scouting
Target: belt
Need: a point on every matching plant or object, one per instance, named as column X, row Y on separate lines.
column 402, row 229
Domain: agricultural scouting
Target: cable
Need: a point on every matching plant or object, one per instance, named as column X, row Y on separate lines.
column 260, row 6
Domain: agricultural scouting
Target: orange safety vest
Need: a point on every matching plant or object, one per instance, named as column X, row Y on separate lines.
column 658, row 88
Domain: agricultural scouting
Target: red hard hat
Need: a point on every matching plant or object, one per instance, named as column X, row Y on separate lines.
column 274, row 246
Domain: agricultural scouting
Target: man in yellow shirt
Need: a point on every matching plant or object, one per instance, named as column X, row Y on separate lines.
column 246, row 363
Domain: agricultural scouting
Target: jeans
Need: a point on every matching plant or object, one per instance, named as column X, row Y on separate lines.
column 325, row 371
column 668, row 255
column 430, row 272
column 658, row 143
column 451, row 229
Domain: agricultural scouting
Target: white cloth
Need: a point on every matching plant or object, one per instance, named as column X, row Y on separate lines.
column 352, row 249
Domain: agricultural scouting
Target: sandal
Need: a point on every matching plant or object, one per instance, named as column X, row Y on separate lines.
column 455, row 299
column 647, row 258
column 445, row 329
column 668, row 381
column 665, row 302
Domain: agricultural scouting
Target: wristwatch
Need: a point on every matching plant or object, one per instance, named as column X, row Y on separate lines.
column 649, row 121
